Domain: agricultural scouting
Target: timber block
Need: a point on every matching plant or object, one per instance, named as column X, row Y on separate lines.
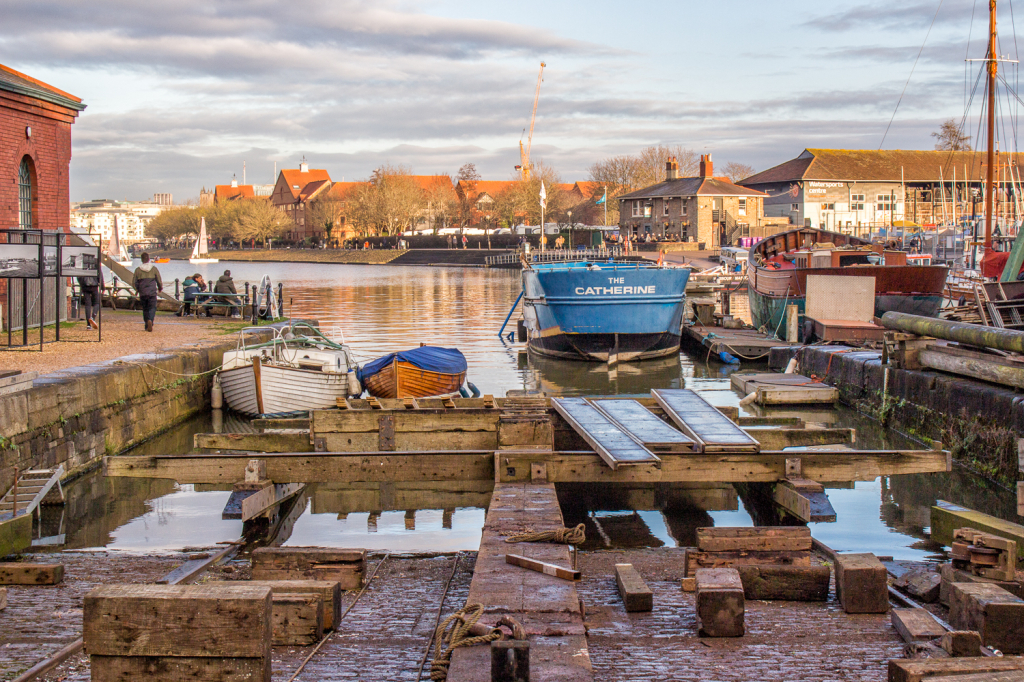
column 636, row 596
column 344, row 566
column 175, row 668
column 994, row 613
column 861, row 583
column 960, row 643
column 215, row 620
column 922, row 670
column 785, row 583
column 298, row 619
column 916, row 625
column 951, row 575
column 3, row 598
column 695, row 559
column 689, row 584
column 921, row 584
column 720, row 603
column 767, row 539
column 329, row 591
column 20, row 573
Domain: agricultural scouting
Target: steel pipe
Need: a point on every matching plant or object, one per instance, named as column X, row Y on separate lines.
column 961, row 332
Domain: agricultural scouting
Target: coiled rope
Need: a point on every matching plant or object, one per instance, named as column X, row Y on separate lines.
column 454, row 633
column 564, row 536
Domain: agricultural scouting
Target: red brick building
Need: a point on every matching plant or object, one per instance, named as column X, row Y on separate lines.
column 35, row 153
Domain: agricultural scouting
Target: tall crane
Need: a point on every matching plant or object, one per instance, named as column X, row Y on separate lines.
column 524, row 152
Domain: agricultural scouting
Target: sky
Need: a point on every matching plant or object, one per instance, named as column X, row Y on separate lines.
column 181, row 94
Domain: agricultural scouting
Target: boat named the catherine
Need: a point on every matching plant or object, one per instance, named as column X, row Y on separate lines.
column 778, row 266
column 603, row 311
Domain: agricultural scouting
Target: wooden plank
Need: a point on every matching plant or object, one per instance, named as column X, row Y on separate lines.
column 636, row 596
column 3, row 598
column 616, row 447
column 265, row 424
column 267, row 498
column 19, row 573
column 328, row 590
column 410, row 442
column 344, row 566
column 694, row 560
column 297, row 619
column 543, row 567
column 972, row 367
column 804, row 499
column 916, row 625
column 709, row 428
column 947, row 517
column 805, row 395
column 785, row 583
column 763, row 539
column 929, row 669
column 779, row 439
column 179, row 669
column 15, row 534
column 645, row 426
column 254, row 442
column 406, row 421
column 216, row 620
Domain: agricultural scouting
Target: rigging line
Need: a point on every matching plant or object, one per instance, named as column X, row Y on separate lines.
column 930, row 26
column 1016, row 55
column 970, row 32
column 1009, row 107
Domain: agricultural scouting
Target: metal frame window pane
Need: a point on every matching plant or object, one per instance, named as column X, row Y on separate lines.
column 25, row 195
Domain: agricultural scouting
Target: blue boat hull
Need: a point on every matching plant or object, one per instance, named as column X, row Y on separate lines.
column 625, row 311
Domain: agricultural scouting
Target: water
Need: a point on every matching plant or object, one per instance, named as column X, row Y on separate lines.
column 388, row 308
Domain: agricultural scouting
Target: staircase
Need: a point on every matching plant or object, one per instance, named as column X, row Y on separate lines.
column 31, row 488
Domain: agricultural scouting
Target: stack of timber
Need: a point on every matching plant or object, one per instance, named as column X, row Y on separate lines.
column 991, row 611
column 344, row 566
column 771, row 388
column 217, row 631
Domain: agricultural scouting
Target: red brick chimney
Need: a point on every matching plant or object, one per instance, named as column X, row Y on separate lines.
column 671, row 169
column 707, row 169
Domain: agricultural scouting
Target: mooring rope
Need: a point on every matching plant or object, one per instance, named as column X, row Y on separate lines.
column 437, row 618
column 454, row 633
column 564, row 536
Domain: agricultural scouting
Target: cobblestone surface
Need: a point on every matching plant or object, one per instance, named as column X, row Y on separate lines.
column 784, row 640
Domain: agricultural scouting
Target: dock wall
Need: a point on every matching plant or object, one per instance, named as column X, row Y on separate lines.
column 978, row 422
column 76, row 416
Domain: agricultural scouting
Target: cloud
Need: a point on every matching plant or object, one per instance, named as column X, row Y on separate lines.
column 899, row 17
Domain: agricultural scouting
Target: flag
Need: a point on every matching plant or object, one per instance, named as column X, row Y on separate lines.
column 603, row 198
column 543, row 196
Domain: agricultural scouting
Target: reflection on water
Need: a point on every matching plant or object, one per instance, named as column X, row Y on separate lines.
column 384, row 308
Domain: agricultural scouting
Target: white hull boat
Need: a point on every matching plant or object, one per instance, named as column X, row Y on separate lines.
column 288, row 376
column 116, row 250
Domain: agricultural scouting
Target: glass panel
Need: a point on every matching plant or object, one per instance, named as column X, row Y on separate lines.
column 25, row 195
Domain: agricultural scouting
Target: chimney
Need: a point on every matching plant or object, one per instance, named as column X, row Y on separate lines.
column 303, row 166
column 234, row 181
column 707, row 169
column 671, row 169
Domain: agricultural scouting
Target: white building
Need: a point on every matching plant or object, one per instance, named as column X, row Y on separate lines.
column 97, row 217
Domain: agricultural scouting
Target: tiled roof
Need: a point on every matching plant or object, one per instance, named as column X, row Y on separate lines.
column 343, row 190
column 589, row 188
column 297, row 180
column 890, row 165
column 427, row 182
column 688, row 187
column 17, row 82
column 312, row 188
column 229, row 193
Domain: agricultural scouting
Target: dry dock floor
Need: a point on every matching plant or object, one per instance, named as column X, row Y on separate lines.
column 384, row 637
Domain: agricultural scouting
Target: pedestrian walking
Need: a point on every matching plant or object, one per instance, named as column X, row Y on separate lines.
column 90, row 288
column 465, row 242
column 147, row 282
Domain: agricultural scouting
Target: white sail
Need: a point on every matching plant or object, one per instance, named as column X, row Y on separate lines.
column 204, row 249
column 195, row 247
column 114, row 247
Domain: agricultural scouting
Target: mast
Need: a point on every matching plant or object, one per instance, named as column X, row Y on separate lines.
column 990, row 172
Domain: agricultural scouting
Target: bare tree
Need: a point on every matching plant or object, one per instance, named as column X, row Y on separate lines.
column 950, row 139
column 260, row 220
column 389, row 203
column 327, row 214
column 736, row 171
column 652, row 160
column 467, row 179
column 442, row 205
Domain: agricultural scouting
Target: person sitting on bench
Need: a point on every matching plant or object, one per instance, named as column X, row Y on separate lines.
column 226, row 285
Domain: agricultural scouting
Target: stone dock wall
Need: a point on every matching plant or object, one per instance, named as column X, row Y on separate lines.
column 76, row 416
column 978, row 422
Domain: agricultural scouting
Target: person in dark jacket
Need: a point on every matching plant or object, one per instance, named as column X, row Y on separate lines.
column 90, row 288
column 226, row 285
column 193, row 285
column 147, row 282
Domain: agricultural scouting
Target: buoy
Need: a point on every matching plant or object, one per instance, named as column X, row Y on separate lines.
column 749, row 399
column 216, row 394
column 728, row 359
column 354, row 387
column 474, row 389
column 792, row 366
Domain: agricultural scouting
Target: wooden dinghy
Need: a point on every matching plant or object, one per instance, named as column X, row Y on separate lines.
column 418, row 373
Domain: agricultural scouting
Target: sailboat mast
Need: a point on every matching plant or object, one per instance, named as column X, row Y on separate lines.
column 990, row 172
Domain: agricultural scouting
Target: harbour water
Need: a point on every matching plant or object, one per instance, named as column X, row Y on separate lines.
column 387, row 308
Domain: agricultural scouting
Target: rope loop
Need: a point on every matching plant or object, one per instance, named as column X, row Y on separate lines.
column 454, row 633
column 562, row 536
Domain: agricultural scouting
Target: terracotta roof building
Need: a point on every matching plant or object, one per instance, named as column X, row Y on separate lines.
column 232, row 192
column 847, row 189
column 704, row 209
column 294, row 189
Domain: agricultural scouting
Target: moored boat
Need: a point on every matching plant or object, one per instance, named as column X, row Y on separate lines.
column 201, row 249
column 604, row 311
column 298, row 370
column 418, row 373
column 778, row 266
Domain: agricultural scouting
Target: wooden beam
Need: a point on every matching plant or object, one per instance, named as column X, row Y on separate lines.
column 18, row 573
column 15, row 534
column 254, row 442
column 975, row 368
column 406, row 421
column 779, row 439
column 542, row 567
column 267, row 498
column 805, row 499
column 947, row 517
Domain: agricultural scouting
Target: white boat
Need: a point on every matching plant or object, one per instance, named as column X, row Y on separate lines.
column 201, row 251
column 116, row 250
column 299, row 370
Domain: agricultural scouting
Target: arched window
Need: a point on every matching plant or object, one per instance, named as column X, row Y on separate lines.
column 25, row 194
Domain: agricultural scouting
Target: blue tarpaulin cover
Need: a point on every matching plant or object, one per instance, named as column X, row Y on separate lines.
column 430, row 358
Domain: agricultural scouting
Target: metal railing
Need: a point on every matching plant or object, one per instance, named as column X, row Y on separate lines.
column 554, row 256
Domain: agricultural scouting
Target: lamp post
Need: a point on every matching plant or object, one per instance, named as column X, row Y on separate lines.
column 487, row 230
column 570, row 229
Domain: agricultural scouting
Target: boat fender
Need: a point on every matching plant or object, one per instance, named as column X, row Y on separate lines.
column 792, row 366
column 748, row 399
column 474, row 389
column 463, row 391
column 728, row 359
column 216, row 394
column 354, row 387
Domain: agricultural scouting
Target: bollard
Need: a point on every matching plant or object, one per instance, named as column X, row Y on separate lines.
column 177, row 290
column 247, row 293
column 510, row 660
column 280, row 299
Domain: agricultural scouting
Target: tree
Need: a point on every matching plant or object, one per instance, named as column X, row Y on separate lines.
column 442, row 204
column 174, row 223
column 950, row 139
column 389, row 203
column 259, row 219
column 629, row 172
column 327, row 214
column 467, row 179
column 737, row 171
